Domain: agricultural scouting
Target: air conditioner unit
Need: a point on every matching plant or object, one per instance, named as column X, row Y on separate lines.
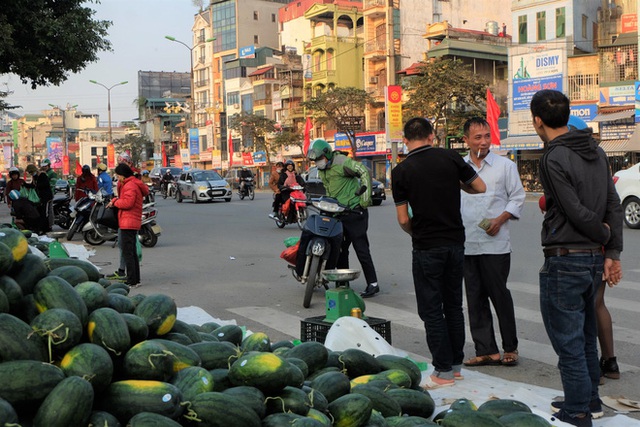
column 373, row 80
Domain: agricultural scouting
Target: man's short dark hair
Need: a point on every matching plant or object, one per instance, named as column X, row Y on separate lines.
column 417, row 129
column 123, row 169
column 552, row 107
column 474, row 121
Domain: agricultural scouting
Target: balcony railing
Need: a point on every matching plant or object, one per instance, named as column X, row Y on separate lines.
column 323, row 40
column 375, row 45
column 323, row 74
column 374, row 3
column 201, row 83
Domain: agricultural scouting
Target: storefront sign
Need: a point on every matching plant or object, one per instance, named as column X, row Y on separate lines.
column 260, row 158
column 247, row 52
column 637, row 87
column 185, row 156
column 586, row 112
column 616, row 131
column 534, row 72
column 393, row 112
column 629, row 23
column 194, row 146
column 247, row 159
column 618, row 95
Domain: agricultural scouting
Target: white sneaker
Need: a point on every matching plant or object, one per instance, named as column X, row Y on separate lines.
column 272, row 215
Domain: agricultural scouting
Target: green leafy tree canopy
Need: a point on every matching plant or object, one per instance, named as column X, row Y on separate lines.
column 134, row 144
column 447, row 92
column 338, row 104
column 42, row 41
column 254, row 128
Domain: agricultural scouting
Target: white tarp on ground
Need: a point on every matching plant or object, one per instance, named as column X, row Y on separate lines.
column 476, row 386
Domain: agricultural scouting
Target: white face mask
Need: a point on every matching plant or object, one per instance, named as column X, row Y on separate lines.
column 322, row 164
column 279, row 170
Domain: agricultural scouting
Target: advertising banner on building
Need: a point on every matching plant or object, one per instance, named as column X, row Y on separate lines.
column 54, row 151
column 247, row 159
column 393, row 112
column 260, row 158
column 637, row 87
column 367, row 143
column 194, row 139
column 185, row 156
column 534, row 72
column 247, row 52
column 618, row 95
column 111, row 156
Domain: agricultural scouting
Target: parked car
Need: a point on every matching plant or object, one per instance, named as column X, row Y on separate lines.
column 628, row 187
column 202, row 186
column 232, row 177
column 156, row 175
column 62, row 186
column 315, row 188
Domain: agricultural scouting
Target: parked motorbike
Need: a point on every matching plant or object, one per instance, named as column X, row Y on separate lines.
column 326, row 232
column 151, row 197
column 294, row 210
column 81, row 212
column 247, row 189
column 62, row 210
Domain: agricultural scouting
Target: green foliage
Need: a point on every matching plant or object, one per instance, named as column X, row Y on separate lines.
column 447, row 92
column 256, row 129
column 135, row 144
column 338, row 103
column 42, row 41
column 288, row 137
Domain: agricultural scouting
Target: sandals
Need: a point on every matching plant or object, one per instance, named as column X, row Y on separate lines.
column 510, row 358
column 487, row 359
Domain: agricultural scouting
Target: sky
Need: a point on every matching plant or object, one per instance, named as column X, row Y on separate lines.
column 137, row 38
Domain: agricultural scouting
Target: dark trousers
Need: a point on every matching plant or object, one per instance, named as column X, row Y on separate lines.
column 277, row 201
column 437, row 279
column 43, row 210
column 485, row 278
column 130, row 255
column 355, row 233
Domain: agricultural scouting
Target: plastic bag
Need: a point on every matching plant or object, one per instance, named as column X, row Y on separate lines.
column 139, row 249
column 31, row 194
column 290, row 241
column 290, row 253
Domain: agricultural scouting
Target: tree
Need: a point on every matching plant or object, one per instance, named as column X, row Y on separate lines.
column 339, row 105
column 255, row 130
column 42, row 41
column 134, row 145
column 447, row 92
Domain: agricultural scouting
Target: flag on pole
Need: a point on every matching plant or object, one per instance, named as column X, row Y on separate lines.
column 230, row 150
column 78, row 168
column 493, row 112
column 98, row 160
column 164, row 156
column 307, row 136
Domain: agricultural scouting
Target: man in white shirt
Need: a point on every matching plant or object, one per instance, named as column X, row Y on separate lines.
column 488, row 248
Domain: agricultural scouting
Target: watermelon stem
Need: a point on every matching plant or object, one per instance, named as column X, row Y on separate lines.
column 51, row 335
column 157, row 355
column 191, row 414
column 113, row 350
column 284, row 408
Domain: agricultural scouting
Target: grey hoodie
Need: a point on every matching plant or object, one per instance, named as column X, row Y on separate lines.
column 580, row 196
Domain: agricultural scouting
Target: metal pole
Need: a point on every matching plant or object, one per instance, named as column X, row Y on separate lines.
column 109, row 114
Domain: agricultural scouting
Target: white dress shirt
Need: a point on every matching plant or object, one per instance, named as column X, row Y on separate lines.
column 504, row 193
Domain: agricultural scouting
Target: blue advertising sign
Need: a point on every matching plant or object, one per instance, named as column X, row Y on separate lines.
column 247, row 52
column 524, row 89
column 365, row 143
column 194, row 146
column 586, row 112
column 637, row 88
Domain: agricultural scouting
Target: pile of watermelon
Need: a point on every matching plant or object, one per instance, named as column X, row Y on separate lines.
column 77, row 350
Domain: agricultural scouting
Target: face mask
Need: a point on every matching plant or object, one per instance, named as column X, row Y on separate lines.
column 322, row 164
column 279, row 170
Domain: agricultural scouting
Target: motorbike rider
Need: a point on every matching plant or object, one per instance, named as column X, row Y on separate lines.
column 245, row 174
column 85, row 182
column 14, row 183
column 289, row 178
column 166, row 179
column 348, row 181
column 45, row 166
column 273, row 184
column 25, row 212
column 145, row 177
column 104, row 180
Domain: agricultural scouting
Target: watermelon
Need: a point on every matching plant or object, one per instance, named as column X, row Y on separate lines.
column 159, row 311
column 68, row 404
column 89, row 361
column 16, row 242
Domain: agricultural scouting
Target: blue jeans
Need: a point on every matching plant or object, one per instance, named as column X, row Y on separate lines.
column 437, row 278
column 568, row 286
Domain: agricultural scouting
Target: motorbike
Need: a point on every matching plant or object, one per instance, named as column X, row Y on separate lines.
column 325, row 230
column 294, row 210
column 80, row 214
column 168, row 189
column 151, row 197
column 96, row 233
column 62, row 210
column 247, row 189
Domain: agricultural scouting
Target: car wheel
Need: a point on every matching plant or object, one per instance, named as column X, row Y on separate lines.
column 178, row 196
column 631, row 209
column 194, row 197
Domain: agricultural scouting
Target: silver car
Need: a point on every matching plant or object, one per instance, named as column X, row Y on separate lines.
column 202, row 186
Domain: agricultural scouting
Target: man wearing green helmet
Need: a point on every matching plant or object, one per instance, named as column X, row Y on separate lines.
column 343, row 179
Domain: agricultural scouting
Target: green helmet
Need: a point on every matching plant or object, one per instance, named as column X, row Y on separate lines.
column 318, row 148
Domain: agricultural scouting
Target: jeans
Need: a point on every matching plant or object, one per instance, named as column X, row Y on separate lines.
column 437, row 278
column 568, row 286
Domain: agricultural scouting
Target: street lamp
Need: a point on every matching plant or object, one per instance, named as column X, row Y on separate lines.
column 33, row 129
column 64, row 125
column 192, row 105
column 109, row 101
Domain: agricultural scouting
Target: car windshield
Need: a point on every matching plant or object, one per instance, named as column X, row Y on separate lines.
column 206, row 176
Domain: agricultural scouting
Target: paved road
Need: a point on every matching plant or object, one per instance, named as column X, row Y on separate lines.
column 224, row 257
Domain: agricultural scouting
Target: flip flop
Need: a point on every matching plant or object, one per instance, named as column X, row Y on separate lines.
column 483, row 360
column 510, row 358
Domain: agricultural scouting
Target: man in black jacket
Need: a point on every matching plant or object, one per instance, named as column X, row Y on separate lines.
column 40, row 181
column 582, row 240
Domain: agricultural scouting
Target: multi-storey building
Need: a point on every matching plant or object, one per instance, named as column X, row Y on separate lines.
column 33, row 129
column 93, row 143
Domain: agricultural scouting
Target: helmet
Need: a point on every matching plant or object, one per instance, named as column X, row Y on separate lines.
column 14, row 194
column 86, row 168
column 46, row 162
column 576, row 123
column 101, row 167
column 124, row 158
column 279, row 164
column 167, row 172
column 14, row 170
column 244, row 167
column 31, row 169
column 319, row 147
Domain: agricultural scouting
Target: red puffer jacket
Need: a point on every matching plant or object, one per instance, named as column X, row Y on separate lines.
column 131, row 194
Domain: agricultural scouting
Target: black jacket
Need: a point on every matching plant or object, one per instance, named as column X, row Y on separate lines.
column 580, row 195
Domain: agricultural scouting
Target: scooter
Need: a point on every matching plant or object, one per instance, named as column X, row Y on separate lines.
column 293, row 210
column 325, row 230
column 246, row 190
column 62, row 210
column 80, row 214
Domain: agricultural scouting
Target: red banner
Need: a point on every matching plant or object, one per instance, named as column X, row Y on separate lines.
column 230, row 150
column 111, row 156
column 164, row 156
column 307, row 136
column 65, row 165
column 78, row 168
column 493, row 112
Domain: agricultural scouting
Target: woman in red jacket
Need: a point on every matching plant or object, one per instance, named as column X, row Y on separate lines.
column 131, row 193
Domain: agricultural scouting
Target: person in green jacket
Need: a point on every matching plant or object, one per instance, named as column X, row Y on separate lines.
column 348, row 181
column 45, row 166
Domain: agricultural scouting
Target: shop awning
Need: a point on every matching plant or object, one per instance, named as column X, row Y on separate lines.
column 529, row 142
column 614, row 116
column 623, row 146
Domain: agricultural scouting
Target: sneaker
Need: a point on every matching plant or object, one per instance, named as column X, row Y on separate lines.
column 584, row 421
column 595, row 406
column 118, row 275
column 272, row 215
column 434, row 382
